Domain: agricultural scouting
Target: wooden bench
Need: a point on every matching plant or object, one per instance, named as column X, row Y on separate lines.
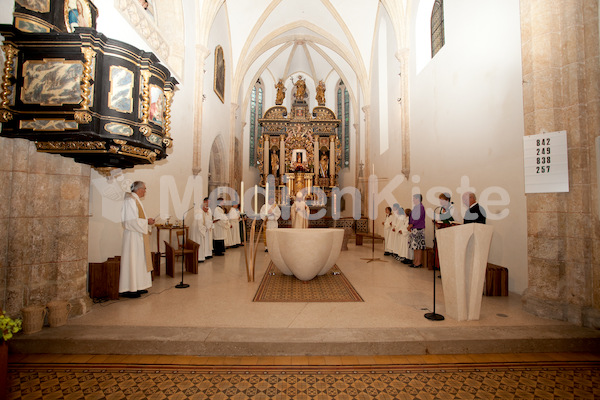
column 496, row 281
column 360, row 235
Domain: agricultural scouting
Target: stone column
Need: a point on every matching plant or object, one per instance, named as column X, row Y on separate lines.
column 316, row 159
column 282, row 157
column 201, row 53
column 403, row 56
column 44, row 214
column 560, row 49
column 266, row 150
column 332, row 160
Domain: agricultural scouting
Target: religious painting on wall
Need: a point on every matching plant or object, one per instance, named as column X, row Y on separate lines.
column 77, row 14
column 157, row 102
column 219, row 85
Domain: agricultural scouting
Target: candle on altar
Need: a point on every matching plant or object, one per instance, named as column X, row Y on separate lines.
column 242, row 198
column 267, row 193
column 255, row 199
column 334, row 204
column 373, row 169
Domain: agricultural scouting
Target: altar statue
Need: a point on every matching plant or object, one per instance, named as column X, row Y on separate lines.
column 274, row 164
column 323, row 166
column 320, row 93
column 300, row 89
column 280, row 93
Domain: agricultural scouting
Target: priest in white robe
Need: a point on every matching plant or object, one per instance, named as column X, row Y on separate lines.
column 300, row 212
column 221, row 224
column 199, row 232
column 234, row 219
column 208, row 224
column 136, row 259
column 270, row 213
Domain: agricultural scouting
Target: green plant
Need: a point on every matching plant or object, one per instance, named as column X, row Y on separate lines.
column 8, row 326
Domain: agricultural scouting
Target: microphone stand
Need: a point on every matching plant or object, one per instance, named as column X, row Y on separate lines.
column 433, row 316
column 182, row 285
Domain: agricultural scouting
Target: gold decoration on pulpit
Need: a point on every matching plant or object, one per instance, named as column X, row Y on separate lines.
column 9, row 53
column 167, row 140
column 145, row 100
column 82, row 115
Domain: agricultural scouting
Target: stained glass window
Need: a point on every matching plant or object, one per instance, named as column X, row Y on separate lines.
column 256, row 107
column 437, row 27
column 343, row 130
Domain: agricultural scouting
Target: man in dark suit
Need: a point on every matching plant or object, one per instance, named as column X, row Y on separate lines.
column 475, row 213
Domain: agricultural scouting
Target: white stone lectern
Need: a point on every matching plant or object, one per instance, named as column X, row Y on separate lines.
column 463, row 252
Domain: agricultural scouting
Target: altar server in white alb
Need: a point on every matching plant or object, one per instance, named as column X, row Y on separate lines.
column 270, row 213
column 387, row 229
column 136, row 260
column 221, row 223
column 199, row 232
column 208, row 224
column 234, row 220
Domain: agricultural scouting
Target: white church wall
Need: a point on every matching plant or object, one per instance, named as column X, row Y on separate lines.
column 467, row 125
column 216, row 120
column 171, row 186
column 385, row 124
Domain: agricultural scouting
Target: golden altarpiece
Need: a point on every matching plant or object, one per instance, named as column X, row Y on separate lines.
column 300, row 149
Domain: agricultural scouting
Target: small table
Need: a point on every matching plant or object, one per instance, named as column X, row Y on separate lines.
column 170, row 228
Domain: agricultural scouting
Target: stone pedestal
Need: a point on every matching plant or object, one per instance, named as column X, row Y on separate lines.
column 463, row 252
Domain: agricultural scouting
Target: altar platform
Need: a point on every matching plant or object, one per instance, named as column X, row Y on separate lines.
column 216, row 316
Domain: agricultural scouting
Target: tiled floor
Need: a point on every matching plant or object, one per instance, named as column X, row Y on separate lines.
column 485, row 376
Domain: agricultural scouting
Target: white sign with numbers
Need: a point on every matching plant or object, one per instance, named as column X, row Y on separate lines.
column 546, row 163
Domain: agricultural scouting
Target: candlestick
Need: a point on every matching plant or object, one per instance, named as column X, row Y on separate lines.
column 255, row 199
column 267, row 193
column 242, row 198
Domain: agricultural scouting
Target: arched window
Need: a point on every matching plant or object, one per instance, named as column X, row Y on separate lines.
column 343, row 112
column 256, row 109
column 437, row 27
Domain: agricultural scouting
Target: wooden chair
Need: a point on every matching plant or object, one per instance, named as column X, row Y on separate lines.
column 190, row 252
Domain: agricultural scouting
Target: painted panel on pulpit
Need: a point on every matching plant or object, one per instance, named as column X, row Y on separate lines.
column 157, row 105
column 52, row 82
column 121, row 88
column 42, row 6
column 77, row 14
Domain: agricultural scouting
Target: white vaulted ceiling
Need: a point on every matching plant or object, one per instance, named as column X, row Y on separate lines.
column 315, row 38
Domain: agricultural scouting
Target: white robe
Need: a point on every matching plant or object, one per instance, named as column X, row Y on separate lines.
column 401, row 236
column 300, row 213
column 199, row 232
column 208, row 239
column 387, row 233
column 134, row 275
column 234, row 219
column 272, row 213
column 221, row 224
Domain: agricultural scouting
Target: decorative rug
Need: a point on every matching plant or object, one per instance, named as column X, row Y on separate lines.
column 535, row 380
column 330, row 287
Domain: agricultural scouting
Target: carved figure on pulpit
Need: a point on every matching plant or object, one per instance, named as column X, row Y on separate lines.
column 300, row 89
column 321, row 93
column 280, row 93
